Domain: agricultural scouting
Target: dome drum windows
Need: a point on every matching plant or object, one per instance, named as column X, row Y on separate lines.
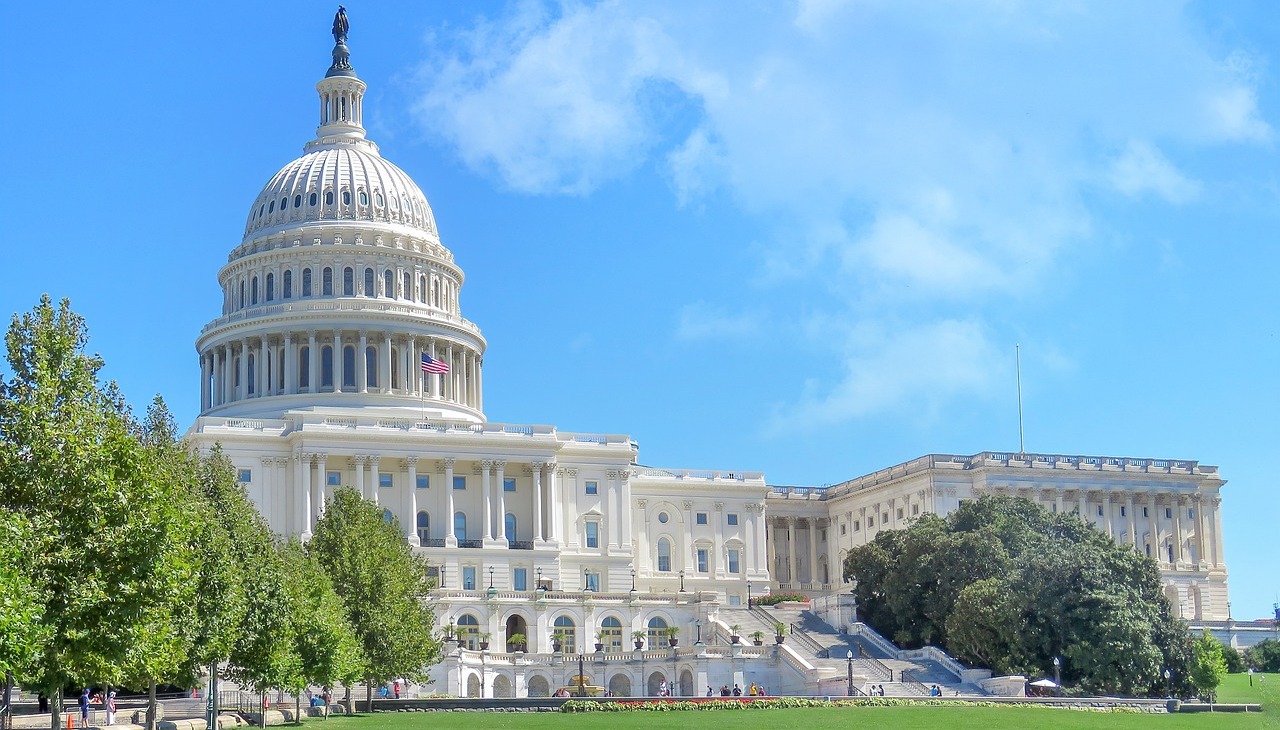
column 297, row 201
column 328, row 197
column 327, row 282
column 253, row 291
column 368, row 283
column 313, row 199
column 388, row 287
column 271, row 287
column 348, row 282
column 346, row 197
column 306, row 282
column 287, row 285
column 363, row 197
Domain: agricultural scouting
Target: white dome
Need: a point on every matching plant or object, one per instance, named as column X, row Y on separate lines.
column 340, row 183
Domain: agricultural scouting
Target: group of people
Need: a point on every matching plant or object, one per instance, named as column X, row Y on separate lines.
column 755, row 690
column 108, row 703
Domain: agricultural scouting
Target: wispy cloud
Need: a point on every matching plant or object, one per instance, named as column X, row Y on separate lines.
column 1143, row 169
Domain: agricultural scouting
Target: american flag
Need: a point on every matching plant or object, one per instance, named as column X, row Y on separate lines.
column 433, row 366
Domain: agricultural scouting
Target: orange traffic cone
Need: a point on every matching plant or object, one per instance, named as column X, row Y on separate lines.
column 71, row 721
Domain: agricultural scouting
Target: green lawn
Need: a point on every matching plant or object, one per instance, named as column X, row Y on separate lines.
column 1235, row 688
column 890, row 718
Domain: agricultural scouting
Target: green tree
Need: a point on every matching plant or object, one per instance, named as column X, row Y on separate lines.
column 1264, row 656
column 323, row 640
column 21, row 601
column 383, row 587
column 111, row 561
column 1207, row 665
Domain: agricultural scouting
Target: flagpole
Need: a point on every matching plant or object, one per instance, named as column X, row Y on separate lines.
column 422, row 392
column 1017, row 349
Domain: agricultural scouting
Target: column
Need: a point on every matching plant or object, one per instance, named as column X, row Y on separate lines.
column 1215, row 526
column 862, row 525
column 243, row 390
column 374, row 478
column 433, row 380
column 362, row 364
column 218, row 380
column 1106, row 511
column 893, row 512
column 450, row 382
column 450, row 540
column 313, row 363
column 1178, row 556
column 624, row 504
column 359, row 460
column 791, row 551
column 304, row 462
column 611, row 509
column 1201, row 542
column 1155, row 531
column 555, row 508
column 538, row 535
column 339, row 362
column 411, row 524
column 813, row 549
column 1132, row 521
column 1082, row 498
column 414, row 373
column 318, row 506
column 480, row 392
column 1057, row 502
column 501, row 465
column 835, row 573
column 204, row 382
column 771, row 549
column 486, row 487
column 385, row 363
column 290, row 365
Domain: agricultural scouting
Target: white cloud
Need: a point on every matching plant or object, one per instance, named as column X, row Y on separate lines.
column 1142, row 169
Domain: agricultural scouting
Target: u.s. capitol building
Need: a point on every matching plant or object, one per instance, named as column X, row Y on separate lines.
column 341, row 293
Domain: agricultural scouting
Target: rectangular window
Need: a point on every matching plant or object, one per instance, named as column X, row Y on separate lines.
column 508, row 484
column 1148, row 550
column 424, row 481
column 822, row 535
column 593, row 581
column 459, row 482
column 871, row 522
column 844, row 530
column 1124, row 511
column 593, row 487
column 702, row 518
column 1168, row 513
column 702, row 560
column 735, row 600
column 899, row 513
column 1191, row 514
column 1055, row 506
column 1144, row 514
column 884, row 518
column 731, row 519
column 333, row 478
column 593, row 534
column 244, row 476
column 469, row 578
column 520, row 579
column 1099, row 510
column 384, row 480
column 857, row 525
column 733, row 561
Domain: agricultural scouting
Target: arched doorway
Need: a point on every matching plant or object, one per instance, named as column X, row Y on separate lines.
column 620, row 685
column 539, row 686
column 516, row 625
column 611, row 634
column 473, row 685
column 686, row 683
column 502, row 686
column 655, row 682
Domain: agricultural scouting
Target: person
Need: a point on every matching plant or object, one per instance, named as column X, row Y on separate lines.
column 724, row 690
column 762, row 691
column 111, row 707
column 84, row 707
column 751, row 691
column 709, row 690
column 737, row 691
column 397, row 686
column 42, row 702
column 383, row 691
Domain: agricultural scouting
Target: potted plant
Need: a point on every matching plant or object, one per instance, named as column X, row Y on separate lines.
column 557, row 639
column 735, row 632
column 600, row 640
column 757, row 637
column 673, row 635
column 638, row 637
column 516, row 642
column 779, row 632
column 484, row 640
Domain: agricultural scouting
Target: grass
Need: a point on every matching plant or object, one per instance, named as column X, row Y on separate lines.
column 862, row 718
column 1235, row 688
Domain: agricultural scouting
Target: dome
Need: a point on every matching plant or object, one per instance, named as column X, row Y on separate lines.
column 340, row 183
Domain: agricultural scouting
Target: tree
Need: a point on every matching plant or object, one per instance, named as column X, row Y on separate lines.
column 111, row 560
column 1264, row 656
column 21, row 602
column 323, row 640
column 1007, row 584
column 383, row 587
column 1207, row 665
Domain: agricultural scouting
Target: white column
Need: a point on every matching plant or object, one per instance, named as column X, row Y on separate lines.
column 433, row 380
column 290, row 365
column 771, row 548
column 1215, row 526
column 319, row 506
column 362, row 364
column 411, row 524
column 304, row 481
column 1132, row 522
column 502, row 502
column 537, row 501
column 339, row 362
column 204, row 382
column 451, row 540
column 313, row 363
column 360, row 460
column 414, row 374
column 813, row 549
column 485, row 467
column 218, row 380
column 385, row 363
column 791, row 551
column 554, row 506
column 624, row 507
column 1082, row 497
column 243, row 390
column 480, row 384
column 374, row 478
column 264, row 381
column 1178, row 556
column 1155, row 530
column 1106, row 511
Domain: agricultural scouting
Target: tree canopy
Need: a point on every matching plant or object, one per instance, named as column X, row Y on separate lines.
column 1004, row 583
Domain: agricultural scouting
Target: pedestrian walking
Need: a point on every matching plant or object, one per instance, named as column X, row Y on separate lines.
column 84, row 708
column 111, row 707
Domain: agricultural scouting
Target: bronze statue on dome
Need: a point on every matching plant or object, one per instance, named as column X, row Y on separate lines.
column 340, row 26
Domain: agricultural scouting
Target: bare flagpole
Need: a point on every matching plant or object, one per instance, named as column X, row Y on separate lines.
column 1017, row 350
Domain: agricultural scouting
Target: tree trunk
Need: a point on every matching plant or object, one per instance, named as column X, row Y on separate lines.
column 346, row 698
column 151, row 705
column 6, row 721
column 368, row 695
column 55, row 707
column 297, row 707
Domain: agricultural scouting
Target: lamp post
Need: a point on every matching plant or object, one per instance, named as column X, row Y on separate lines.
column 849, row 657
column 633, row 580
column 539, row 587
column 1168, row 691
column 748, row 594
column 682, row 581
column 490, row 577
column 586, row 579
column 582, row 682
column 698, row 625
column 1057, row 667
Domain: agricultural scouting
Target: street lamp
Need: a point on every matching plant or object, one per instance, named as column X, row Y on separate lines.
column 1168, row 691
column 748, row 594
column 682, row 581
column 1057, row 676
column 442, row 576
column 698, row 624
column 539, row 587
column 582, row 689
column 633, row 580
column 490, row 577
column 849, row 656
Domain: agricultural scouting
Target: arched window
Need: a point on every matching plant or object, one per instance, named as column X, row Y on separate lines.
column 251, row 373
column 568, row 634
column 509, row 527
column 348, row 282
column 406, row 286
column 284, row 203
column 253, row 290
column 388, row 287
column 304, row 367
column 422, row 289
column 377, row 197
column 306, row 282
column 368, row 283
column 348, row 367
column 424, row 527
column 287, row 284
column 271, row 208
column 326, row 282
column 395, row 369
column 326, row 367
column 242, row 295
column 346, row 195
column 460, row 526
column 271, row 287
column 313, row 199
column 657, row 632
column 297, row 200
column 328, row 197
column 664, row 555
column 611, row 634
column 469, row 632
column 371, row 366
column 364, row 198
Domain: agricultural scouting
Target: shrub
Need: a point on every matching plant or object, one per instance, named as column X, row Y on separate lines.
column 773, row 599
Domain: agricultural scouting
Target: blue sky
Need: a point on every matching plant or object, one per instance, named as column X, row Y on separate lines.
column 801, row 238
